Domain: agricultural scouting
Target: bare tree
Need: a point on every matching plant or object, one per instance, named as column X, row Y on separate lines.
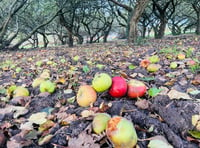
column 135, row 14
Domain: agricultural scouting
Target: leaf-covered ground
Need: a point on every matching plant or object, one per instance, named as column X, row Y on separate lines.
column 170, row 109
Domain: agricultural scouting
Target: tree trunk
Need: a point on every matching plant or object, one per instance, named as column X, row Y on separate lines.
column 106, row 33
column 198, row 23
column 161, row 30
column 137, row 12
column 70, row 39
column 80, row 39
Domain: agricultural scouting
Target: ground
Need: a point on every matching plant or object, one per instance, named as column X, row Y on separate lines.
column 170, row 108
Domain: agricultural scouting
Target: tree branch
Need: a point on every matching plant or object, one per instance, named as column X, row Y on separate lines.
column 122, row 5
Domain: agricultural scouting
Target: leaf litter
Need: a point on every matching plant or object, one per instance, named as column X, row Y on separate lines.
column 45, row 119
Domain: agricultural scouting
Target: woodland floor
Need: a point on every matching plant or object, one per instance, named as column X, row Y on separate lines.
column 174, row 113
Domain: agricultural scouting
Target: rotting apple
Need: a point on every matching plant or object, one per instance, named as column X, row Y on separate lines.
column 47, row 86
column 144, row 63
column 99, row 122
column 101, row 82
column 118, row 87
column 20, row 92
column 136, row 88
column 121, row 132
column 86, row 96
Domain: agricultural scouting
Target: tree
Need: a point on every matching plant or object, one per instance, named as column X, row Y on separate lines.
column 163, row 11
column 196, row 6
column 135, row 14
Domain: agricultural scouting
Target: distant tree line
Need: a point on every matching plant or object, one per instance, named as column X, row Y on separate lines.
column 69, row 21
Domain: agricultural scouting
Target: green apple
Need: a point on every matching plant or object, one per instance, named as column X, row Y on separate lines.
column 173, row 65
column 20, row 92
column 47, row 86
column 154, row 59
column 18, row 69
column 99, row 122
column 101, row 82
column 76, row 58
column 39, row 63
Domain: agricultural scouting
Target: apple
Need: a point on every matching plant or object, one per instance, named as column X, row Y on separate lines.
column 118, row 87
column 144, row 63
column 47, row 86
column 136, row 88
column 153, row 67
column 121, row 132
column 173, row 65
column 191, row 62
column 154, row 59
column 76, row 58
column 86, row 95
column 181, row 56
column 37, row 82
column 101, row 82
column 20, row 92
column 99, row 122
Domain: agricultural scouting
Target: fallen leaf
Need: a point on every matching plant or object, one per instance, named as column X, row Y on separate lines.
column 38, row 118
column 45, row 140
column 84, row 141
column 19, row 141
column 154, row 91
column 18, row 111
column 196, row 80
column 87, row 113
column 195, row 134
column 196, row 121
column 159, row 141
column 26, row 126
column 45, row 126
column 174, row 94
column 143, row 104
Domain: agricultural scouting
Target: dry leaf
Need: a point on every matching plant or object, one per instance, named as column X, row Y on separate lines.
column 159, row 141
column 45, row 140
column 84, row 140
column 196, row 80
column 142, row 104
column 38, row 118
column 196, row 121
column 174, row 94
column 87, row 113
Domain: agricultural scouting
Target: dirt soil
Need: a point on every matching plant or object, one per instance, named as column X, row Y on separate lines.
column 172, row 113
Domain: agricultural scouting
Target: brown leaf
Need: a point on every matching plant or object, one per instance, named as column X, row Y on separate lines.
column 18, row 141
column 196, row 80
column 83, row 141
column 142, row 104
column 174, row 94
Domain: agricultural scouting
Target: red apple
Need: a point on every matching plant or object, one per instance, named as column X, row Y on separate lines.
column 136, row 88
column 191, row 62
column 118, row 87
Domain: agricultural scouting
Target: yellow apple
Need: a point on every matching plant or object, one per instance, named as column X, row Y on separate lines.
column 20, row 92
column 86, row 95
